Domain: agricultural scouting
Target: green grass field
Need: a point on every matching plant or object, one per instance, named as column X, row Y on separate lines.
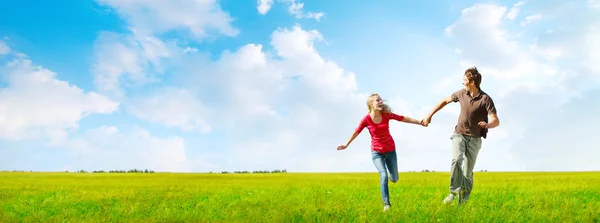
column 294, row 197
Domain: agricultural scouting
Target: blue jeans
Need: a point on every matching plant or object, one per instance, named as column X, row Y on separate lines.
column 385, row 162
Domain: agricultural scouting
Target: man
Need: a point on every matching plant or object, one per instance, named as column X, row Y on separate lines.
column 475, row 107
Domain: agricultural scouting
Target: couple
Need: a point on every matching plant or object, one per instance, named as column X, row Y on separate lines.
column 475, row 107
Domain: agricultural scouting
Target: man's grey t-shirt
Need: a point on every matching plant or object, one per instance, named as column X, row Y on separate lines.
column 472, row 111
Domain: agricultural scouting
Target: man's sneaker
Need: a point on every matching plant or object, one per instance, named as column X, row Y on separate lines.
column 386, row 207
column 449, row 198
column 461, row 197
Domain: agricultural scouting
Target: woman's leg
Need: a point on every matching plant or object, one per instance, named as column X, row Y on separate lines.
column 379, row 161
column 392, row 165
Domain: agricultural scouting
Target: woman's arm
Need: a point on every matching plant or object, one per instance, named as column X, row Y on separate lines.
column 354, row 135
column 361, row 126
column 405, row 119
column 412, row 120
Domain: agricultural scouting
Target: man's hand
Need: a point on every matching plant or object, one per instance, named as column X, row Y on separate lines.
column 341, row 147
column 425, row 122
column 483, row 124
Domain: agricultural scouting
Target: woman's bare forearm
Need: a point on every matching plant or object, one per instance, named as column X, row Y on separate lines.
column 354, row 135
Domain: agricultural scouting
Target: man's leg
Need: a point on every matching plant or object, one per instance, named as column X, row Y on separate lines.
column 473, row 147
column 392, row 165
column 379, row 161
column 456, row 171
column 458, row 156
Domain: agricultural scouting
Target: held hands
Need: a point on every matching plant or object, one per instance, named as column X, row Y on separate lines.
column 425, row 122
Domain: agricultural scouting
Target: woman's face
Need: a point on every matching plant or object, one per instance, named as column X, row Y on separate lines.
column 377, row 103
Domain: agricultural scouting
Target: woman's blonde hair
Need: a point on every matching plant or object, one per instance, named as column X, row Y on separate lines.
column 386, row 107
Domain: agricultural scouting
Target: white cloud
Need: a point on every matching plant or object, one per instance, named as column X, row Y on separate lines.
column 136, row 56
column 106, row 148
column 173, row 108
column 484, row 42
column 514, row 11
column 317, row 16
column 594, row 3
column 445, row 85
column 264, row 6
column 295, row 8
column 190, row 49
column 276, row 107
column 36, row 104
column 251, row 81
column 155, row 17
column 530, row 19
column 574, row 44
column 4, row 49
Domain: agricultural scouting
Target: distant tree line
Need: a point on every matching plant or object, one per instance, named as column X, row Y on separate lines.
column 256, row 171
column 152, row 171
column 116, row 171
column 222, row 172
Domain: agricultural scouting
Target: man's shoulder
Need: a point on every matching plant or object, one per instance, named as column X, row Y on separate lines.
column 485, row 96
column 460, row 92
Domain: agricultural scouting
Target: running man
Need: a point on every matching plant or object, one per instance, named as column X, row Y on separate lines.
column 475, row 107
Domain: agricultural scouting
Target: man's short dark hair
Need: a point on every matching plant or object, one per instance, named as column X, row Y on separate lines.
column 473, row 75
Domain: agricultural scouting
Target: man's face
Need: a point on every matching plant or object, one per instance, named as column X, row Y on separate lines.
column 468, row 84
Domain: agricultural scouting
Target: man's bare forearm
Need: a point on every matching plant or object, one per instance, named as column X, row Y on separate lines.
column 437, row 108
column 494, row 122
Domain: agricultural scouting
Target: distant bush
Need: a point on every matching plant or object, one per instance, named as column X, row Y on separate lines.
column 123, row 171
column 266, row 171
column 247, row 172
column 151, row 171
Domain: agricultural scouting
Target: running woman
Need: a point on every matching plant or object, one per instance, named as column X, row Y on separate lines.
column 383, row 147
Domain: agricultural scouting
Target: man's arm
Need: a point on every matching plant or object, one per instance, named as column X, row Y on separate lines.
column 438, row 107
column 494, row 122
column 492, row 112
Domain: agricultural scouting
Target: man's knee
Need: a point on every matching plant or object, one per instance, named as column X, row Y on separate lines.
column 458, row 160
column 394, row 179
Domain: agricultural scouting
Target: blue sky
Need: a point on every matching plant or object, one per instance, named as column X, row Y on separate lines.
column 228, row 85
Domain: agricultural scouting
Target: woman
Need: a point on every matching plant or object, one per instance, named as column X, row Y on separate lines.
column 383, row 147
